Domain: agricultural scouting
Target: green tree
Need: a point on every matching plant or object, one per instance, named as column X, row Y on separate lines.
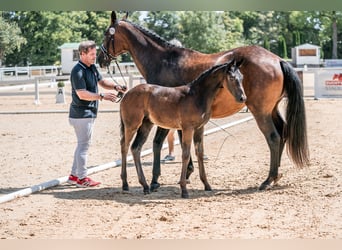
column 233, row 28
column 10, row 38
column 202, row 30
column 282, row 50
column 163, row 23
column 331, row 26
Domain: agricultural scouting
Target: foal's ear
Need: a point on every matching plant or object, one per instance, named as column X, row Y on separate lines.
column 113, row 17
column 125, row 16
column 238, row 63
column 231, row 64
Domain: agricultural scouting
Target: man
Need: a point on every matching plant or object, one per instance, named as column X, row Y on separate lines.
column 83, row 108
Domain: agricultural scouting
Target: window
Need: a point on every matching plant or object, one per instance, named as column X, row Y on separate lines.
column 75, row 55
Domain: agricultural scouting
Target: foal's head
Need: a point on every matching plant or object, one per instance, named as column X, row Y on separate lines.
column 233, row 81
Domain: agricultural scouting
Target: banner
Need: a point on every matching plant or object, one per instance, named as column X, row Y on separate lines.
column 328, row 83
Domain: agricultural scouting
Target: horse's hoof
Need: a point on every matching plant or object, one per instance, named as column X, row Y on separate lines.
column 265, row 186
column 207, row 188
column 154, row 186
column 125, row 188
column 277, row 179
column 146, row 191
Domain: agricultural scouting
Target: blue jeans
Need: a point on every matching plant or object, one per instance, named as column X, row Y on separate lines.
column 83, row 129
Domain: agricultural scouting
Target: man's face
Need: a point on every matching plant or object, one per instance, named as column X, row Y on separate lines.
column 89, row 58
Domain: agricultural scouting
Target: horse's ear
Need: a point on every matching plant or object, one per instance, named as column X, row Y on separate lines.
column 126, row 16
column 113, row 17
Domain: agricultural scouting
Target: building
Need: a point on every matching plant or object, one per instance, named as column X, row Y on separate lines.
column 306, row 54
column 69, row 56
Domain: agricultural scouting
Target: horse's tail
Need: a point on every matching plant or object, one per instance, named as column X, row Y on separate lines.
column 295, row 132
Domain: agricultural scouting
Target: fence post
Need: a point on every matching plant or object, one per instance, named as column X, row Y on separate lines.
column 36, row 90
column 130, row 82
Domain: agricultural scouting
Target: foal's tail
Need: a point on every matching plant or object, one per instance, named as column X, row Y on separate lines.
column 122, row 129
column 295, row 131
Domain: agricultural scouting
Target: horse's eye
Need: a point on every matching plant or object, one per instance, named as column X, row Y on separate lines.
column 112, row 30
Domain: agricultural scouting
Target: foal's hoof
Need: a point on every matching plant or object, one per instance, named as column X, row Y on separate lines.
column 208, row 188
column 185, row 194
column 146, row 191
column 154, row 186
column 125, row 188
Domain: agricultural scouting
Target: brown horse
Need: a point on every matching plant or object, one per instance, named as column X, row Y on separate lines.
column 267, row 80
column 186, row 108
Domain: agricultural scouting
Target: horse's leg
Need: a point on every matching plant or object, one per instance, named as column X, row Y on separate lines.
column 186, row 144
column 273, row 138
column 158, row 140
column 136, row 147
column 190, row 168
column 198, row 142
column 279, row 123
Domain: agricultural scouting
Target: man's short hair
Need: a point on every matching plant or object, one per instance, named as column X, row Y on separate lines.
column 85, row 46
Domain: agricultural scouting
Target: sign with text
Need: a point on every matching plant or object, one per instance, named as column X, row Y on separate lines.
column 328, row 83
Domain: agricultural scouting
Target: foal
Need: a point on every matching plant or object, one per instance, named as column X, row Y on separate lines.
column 186, row 108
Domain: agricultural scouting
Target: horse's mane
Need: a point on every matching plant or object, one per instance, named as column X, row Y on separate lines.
column 158, row 39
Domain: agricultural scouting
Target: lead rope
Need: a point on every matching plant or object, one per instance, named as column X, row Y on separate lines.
column 124, row 87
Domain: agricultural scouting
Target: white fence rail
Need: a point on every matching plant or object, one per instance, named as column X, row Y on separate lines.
column 28, row 71
column 52, row 81
column 9, row 74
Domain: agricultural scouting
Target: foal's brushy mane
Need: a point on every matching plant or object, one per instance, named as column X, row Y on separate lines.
column 158, row 39
column 208, row 72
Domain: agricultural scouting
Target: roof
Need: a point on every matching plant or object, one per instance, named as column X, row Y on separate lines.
column 69, row 46
column 307, row 45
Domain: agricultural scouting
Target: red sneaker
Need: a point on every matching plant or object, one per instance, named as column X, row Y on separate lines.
column 72, row 179
column 87, row 182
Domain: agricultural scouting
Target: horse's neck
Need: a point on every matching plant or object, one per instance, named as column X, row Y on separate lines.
column 146, row 54
column 158, row 62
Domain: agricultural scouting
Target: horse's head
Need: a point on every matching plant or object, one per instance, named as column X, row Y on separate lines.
column 112, row 44
column 234, row 81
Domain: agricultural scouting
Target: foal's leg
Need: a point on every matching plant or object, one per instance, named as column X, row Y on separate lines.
column 275, row 145
column 198, row 142
column 186, row 145
column 136, row 147
column 190, row 168
column 158, row 140
column 125, row 140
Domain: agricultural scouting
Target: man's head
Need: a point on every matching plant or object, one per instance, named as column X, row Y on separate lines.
column 87, row 50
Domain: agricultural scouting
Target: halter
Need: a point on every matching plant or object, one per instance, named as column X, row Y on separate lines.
column 110, row 58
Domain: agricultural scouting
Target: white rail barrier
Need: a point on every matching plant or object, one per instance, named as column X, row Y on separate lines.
column 28, row 71
column 53, row 80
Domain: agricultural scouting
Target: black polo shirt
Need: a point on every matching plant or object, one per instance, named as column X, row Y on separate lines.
column 84, row 77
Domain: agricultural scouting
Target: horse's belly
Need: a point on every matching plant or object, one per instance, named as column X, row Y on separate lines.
column 225, row 105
